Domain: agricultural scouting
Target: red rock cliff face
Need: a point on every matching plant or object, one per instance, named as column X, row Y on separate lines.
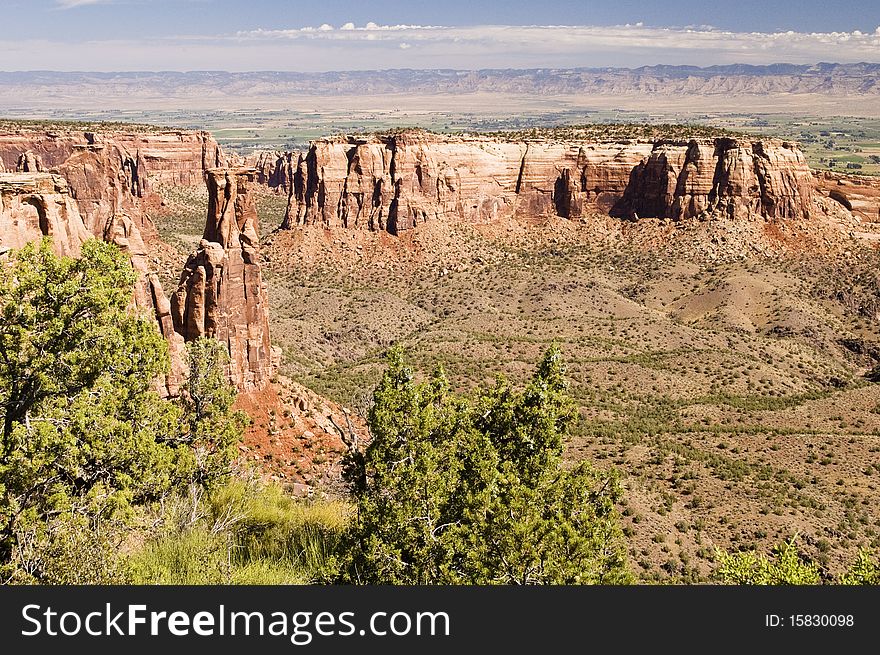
column 768, row 178
column 33, row 205
column 221, row 293
column 274, row 168
column 858, row 193
column 149, row 295
column 396, row 182
column 175, row 157
column 110, row 172
column 105, row 180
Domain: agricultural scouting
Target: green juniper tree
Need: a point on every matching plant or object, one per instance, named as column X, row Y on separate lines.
column 786, row 566
column 208, row 424
column 84, row 436
column 454, row 490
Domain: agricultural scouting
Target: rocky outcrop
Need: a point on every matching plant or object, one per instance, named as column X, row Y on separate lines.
column 724, row 176
column 112, row 172
column 163, row 156
column 149, row 296
column 33, row 205
column 105, row 180
column 103, row 186
column 274, row 169
column 28, row 162
column 859, row 194
column 221, row 293
column 398, row 181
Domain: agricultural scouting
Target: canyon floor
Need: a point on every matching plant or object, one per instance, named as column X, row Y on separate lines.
column 724, row 370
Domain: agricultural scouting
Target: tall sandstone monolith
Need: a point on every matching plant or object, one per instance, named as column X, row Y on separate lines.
column 221, row 294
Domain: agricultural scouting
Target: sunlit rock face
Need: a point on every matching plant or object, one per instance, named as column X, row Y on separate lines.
column 221, row 293
column 396, row 182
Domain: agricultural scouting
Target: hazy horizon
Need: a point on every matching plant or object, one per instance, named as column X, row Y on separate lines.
column 261, row 35
column 758, row 69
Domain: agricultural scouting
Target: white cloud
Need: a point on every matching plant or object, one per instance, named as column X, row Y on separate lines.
column 551, row 41
column 374, row 46
column 70, row 4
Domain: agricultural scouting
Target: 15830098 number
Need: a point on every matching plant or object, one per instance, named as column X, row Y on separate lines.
column 821, row 620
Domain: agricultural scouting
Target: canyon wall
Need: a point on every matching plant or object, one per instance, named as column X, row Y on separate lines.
column 167, row 156
column 104, row 188
column 149, row 296
column 221, row 293
column 33, row 205
column 103, row 185
column 860, row 194
column 273, row 168
column 396, row 182
column 110, row 172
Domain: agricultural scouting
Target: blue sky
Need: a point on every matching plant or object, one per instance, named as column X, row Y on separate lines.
column 339, row 35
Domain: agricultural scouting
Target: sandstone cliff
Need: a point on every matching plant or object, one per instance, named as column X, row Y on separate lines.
column 221, row 293
column 149, row 295
column 273, row 168
column 396, row 182
column 169, row 156
column 33, row 205
column 860, row 194
column 110, row 172
column 105, row 180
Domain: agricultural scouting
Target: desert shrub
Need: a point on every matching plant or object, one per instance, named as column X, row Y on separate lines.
column 788, row 567
column 864, row 571
column 785, row 567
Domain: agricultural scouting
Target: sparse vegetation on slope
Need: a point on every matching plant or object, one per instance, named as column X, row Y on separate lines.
column 729, row 393
column 616, row 131
column 55, row 125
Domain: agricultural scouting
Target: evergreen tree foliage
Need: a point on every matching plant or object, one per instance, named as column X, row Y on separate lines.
column 455, row 490
column 785, row 567
column 209, row 425
column 864, row 571
column 84, row 435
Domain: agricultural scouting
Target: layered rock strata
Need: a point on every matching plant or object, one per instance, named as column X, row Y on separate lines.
column 33, row 205
column 274, row 169
column 859, row 194
column 221, row 294
column 110, row 172
column 170, row 156
column 398, row 181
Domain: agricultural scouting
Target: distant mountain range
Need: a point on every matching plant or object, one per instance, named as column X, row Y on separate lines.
column 734, row 79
